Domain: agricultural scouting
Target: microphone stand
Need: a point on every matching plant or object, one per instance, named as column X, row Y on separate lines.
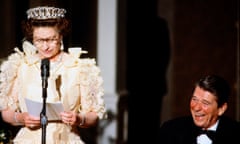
column 43, row 116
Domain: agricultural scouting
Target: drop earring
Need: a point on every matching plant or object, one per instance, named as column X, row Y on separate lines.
column 62, row 47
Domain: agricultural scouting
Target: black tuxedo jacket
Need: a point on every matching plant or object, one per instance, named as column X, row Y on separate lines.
column 183, row 131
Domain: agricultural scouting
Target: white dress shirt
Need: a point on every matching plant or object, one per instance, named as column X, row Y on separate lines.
column 203, row 138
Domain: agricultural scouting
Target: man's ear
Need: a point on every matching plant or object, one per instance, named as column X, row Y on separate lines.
column 222, row 109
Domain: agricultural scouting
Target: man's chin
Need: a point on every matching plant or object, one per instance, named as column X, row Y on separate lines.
column 199, row 123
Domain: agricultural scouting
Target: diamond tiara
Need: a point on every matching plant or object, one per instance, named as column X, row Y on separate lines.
column 42, row 13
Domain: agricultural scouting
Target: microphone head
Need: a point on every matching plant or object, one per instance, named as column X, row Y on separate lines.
column 45, row 68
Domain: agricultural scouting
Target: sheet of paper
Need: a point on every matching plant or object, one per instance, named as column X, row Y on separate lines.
column 52, row 109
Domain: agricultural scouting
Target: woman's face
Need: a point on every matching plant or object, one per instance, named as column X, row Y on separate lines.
column 48, row 41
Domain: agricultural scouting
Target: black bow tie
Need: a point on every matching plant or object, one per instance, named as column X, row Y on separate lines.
column 209, row 133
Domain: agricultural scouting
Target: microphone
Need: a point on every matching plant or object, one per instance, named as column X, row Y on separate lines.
column 45, row 72
column 44, row 75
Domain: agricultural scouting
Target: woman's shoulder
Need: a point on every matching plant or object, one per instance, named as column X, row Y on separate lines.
column 73, row 60
column 73, row 55
column 12, row 61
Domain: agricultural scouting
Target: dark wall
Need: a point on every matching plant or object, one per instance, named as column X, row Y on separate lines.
column 205, row 41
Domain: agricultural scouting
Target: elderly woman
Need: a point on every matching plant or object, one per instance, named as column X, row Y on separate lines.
column 73, row 81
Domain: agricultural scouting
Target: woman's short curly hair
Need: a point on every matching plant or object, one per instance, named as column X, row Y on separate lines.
column 62, row 24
